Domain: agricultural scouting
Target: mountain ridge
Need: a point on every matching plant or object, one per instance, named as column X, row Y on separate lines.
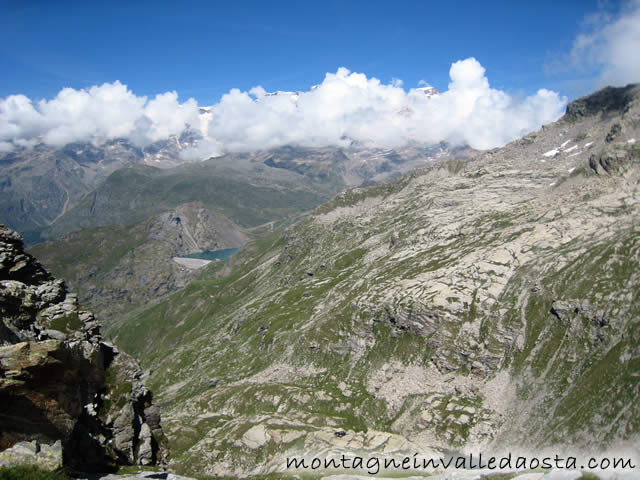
column 40, row 186
column 468, row 305
column 115, row 270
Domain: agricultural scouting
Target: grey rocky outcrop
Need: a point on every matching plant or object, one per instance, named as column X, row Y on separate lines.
column 46, row 456
column 612, row 161
column 60, row 384
column 606, row 101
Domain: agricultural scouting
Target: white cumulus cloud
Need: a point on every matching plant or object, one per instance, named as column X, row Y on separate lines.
column 611, row 46
column 346, row 107
column 96, row 114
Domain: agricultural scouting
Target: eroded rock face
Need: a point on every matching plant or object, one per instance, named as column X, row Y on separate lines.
column 59, row 381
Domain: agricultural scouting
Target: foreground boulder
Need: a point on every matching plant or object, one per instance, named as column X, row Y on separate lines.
column 48, row 457
column 59, row 382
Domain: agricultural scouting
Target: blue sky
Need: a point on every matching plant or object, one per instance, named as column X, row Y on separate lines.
column 203, row 49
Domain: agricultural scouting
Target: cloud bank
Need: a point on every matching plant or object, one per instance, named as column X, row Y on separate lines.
column 348, row 107
column 611, row 46
column 345, row 108
column 95, row 115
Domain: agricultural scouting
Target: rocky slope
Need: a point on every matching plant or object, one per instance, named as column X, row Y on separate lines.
column 38, row 185
column 119, row 259
column 115, row 270
column 489, row 304
column 59, row 382
column 247, row 196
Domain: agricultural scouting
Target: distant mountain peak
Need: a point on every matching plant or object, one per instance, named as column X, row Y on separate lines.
column 429, row 91
column 281, row 93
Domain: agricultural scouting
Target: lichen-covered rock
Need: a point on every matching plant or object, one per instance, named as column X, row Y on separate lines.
column 44, row 455
column 59, row 382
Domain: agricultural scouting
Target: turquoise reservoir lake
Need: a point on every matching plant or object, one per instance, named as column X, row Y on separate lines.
column 212, row 254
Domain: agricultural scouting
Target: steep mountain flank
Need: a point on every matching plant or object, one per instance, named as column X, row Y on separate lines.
column 59, row 382
column 248, row 198
column 137, row 220
column 46, row 192
column 490, row 304
column 39, row 185
column 116, row 269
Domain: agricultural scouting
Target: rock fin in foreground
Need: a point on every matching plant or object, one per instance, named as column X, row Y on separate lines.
column 59, row 382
